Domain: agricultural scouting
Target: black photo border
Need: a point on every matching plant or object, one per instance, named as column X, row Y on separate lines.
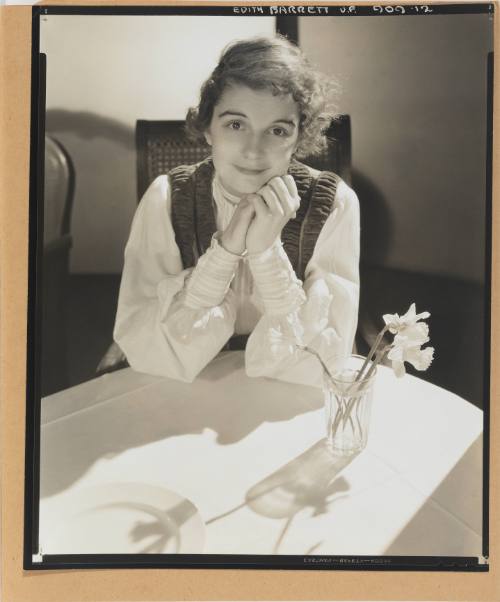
column 32, row 561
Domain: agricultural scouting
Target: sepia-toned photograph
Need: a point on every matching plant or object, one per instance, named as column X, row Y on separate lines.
column 261, row 320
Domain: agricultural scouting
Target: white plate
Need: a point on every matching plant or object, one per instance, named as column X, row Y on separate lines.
column 121, row 518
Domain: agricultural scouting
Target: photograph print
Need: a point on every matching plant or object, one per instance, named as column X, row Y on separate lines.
column 261, row 335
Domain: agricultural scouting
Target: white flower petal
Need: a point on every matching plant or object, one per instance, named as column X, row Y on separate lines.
column 399, row 368
column 396, row 353
column 413, row 335
column 423, row 316
column 396, row 324
column 392, row 321
column 423, row 359
column 411, row 313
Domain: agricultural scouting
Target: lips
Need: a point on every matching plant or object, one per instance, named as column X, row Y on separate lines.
column 249, row 172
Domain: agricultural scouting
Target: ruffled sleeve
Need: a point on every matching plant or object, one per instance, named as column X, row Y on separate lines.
column 171, row 321
column 321, row 313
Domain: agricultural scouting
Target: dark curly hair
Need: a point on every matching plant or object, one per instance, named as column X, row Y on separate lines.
column 275, row 64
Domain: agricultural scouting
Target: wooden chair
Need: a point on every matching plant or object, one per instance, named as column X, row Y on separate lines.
column 58, row 193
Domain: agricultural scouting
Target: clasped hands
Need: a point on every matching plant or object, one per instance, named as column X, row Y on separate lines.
column 259, row 217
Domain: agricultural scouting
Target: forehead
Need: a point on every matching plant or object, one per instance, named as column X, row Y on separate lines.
column 256, row 103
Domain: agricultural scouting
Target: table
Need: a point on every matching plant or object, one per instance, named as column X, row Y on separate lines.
column 246, row 456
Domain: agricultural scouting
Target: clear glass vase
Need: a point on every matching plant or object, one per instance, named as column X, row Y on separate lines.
column 348, row 402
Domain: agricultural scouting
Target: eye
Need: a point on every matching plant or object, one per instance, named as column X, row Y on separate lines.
column 280, row 132
column 234, row 125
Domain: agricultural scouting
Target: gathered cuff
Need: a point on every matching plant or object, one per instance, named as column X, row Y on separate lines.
column 210, row 279
column 278, row 286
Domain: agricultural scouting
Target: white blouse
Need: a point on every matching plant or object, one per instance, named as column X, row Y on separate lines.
column 172, row 321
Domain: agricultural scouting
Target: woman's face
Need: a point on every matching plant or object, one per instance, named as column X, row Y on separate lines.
column 253, row 135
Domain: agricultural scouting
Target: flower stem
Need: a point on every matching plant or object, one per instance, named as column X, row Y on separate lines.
column 372, row 351
column 380, row 356
column 318, row 356
column 338, row 416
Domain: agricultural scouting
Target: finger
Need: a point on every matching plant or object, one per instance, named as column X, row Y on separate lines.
column 272, row 201
column 245, row 206
column 243, row 214
column 288, row 183
column 279, row 187
column 288, row 202
column 260, row 206
column 247, row 213
column 292, row 188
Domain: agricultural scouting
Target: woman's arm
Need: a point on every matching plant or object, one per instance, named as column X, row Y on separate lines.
column 322, row 313
column 171, row 321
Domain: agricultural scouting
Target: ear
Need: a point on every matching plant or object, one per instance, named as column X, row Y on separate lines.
column 208, row 137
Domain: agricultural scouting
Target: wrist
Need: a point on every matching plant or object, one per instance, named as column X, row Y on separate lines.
column 210, row 279
column 255, row 250
column 231, row 244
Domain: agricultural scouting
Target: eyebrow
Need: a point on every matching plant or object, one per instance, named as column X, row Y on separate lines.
column 289, row 122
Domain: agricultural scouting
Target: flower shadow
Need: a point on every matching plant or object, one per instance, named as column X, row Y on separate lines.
column 114, row 520
column 310, row 480
column 165, row 528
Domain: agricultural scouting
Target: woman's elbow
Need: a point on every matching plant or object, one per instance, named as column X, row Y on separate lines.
column 156, row 360
column 165, row 369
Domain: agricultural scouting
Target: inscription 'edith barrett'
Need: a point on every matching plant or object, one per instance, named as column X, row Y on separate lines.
column 280, row 10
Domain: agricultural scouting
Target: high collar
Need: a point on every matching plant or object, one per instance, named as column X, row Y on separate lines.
column 223, row 193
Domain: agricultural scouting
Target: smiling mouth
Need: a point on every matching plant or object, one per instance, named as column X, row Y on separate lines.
column 249, row 172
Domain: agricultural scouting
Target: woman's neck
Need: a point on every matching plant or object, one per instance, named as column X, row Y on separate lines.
column 228, row 196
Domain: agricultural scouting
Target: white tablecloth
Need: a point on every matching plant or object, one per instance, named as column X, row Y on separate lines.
column 248, row 456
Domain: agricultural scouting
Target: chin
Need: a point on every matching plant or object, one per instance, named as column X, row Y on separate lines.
column 250, row 188
column 240, row 184
column 253, row 184
column 248, row 185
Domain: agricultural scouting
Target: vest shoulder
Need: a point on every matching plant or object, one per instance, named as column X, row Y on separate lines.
column 187, row 170
column 181, row 171
column 312, row 172
column 316, row 173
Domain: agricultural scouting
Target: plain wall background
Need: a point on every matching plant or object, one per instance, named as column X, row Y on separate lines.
column 104, row 73
column 415, row 88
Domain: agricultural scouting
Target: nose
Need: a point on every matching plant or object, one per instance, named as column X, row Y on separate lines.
column 253, row 147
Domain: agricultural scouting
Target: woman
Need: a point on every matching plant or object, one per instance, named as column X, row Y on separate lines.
column 250, row 241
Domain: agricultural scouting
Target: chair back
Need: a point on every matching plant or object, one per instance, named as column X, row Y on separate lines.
column 163, row 145
column 337, row 155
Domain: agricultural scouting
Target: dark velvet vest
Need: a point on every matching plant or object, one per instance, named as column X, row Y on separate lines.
column 193, row 216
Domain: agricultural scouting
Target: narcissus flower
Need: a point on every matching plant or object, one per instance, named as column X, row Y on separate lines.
column 414, row 335
column 410, row 334
column 396, row 323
